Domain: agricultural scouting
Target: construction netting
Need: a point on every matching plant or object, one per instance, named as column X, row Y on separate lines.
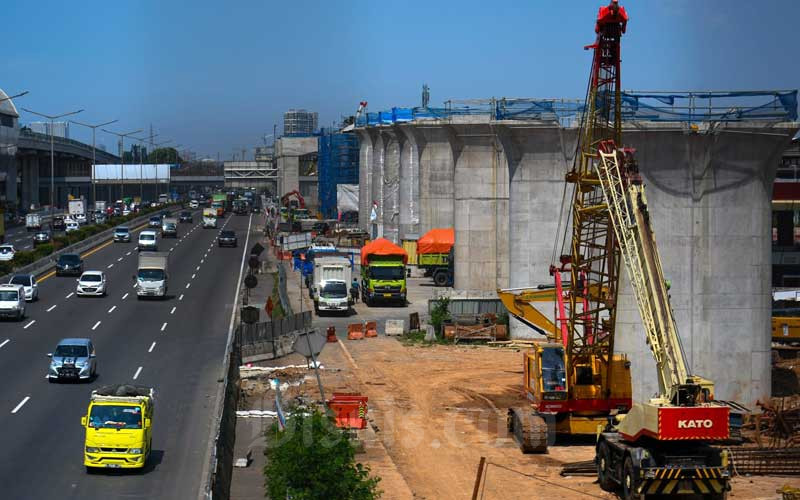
column 436, row 241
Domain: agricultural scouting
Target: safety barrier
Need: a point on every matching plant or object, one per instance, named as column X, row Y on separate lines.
column 274, row 337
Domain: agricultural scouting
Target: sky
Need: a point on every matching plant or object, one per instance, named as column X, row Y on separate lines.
column 216, row 76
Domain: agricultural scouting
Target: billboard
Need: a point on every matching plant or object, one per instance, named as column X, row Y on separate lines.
column 132, row 174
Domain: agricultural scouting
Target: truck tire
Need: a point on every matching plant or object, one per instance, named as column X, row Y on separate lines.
column 629, row 481
column 440, row 278
column 603, row 462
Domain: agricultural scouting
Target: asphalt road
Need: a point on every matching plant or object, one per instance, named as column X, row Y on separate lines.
column 175, row 345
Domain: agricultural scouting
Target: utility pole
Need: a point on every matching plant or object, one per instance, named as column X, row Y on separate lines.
column 94, row 158
column 122, row 142
column 52, row 119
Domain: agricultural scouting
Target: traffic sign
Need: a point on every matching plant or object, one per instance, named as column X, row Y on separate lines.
column 250, row 281
column 308, row 343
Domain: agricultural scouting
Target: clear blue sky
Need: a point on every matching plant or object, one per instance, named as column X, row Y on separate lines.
column 216, row 76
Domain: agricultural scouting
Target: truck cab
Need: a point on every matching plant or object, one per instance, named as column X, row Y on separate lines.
column 152, row 276
column 118, row 427
column 331, row 288
column 384, row 279
column 209, row 218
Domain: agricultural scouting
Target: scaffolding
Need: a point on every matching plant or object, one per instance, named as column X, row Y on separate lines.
column 337, row 164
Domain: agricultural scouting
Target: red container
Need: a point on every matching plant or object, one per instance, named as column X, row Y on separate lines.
column 349, row 410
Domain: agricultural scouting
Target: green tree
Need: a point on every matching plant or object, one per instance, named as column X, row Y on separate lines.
column 440, row 313
column 164, row 155
column 311, row 459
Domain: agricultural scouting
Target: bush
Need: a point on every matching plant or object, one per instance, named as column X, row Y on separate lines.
column 23, row 258
column 440, row 314
column 5, row 268
column 312, row 459
column 60, row 242
column 43, row 250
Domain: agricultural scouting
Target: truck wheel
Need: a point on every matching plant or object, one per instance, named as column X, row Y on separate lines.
column 440, row 278
column 630, row 483
column 603, row 461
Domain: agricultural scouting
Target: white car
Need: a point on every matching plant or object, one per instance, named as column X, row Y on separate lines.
column 148, row 240
column 126, row 211
column 80, row 218
column 92, row 283
column 71, row 226
column 7, row 252
column 193, row 204
column 12, row 301
column 28, row 282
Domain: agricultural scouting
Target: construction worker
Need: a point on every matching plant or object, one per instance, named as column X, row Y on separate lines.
column 354, row 290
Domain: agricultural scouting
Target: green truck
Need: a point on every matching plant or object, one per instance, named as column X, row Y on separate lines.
column 383, row 273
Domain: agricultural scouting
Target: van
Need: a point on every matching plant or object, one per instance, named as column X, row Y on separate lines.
column 148, row 241
column 12, row 301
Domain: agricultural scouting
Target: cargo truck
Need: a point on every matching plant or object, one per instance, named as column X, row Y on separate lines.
column 33, row 222
column 219, row 202
column 435, row 255
column 331, row 284
column 118, row 426
column 169, row 227
column 209, row 218
column 383, row 272
column 75, row 207
column 152, row 275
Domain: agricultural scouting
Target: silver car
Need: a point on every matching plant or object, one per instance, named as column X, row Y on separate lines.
column 73, row 359
column 28, row 282
column 92, row 283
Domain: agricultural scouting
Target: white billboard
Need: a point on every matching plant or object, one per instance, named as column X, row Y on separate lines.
column 133, row 174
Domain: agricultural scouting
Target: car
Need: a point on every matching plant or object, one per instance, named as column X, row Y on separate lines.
column 72, row 359
column 186, row 217
column 71, row 226
column 80, row 218
column 194, row 204
column 12, row 301
column 69, row 263
column 7, row 252
column 155, row 221
column 41, row 238
column 126, row 211
column 28, row 282
column 99, row 218
column 227, row 239
column 147, row 240
column 122, row 234
column 91, row 283
column 58, row 223
column 153, row 204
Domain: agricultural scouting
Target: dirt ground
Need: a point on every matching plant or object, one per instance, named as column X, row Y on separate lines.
column 435, row 410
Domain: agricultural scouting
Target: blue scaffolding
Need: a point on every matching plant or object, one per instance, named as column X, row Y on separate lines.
column 337, row 164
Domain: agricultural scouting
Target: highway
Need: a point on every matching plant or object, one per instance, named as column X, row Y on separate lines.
column 20, row 238
column 175, row 345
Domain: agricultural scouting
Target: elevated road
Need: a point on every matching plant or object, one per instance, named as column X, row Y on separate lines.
column 175, row 345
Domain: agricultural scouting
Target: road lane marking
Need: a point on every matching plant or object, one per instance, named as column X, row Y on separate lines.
column 193, row 275
column 112, row 309
column 125, row 296
column 164, row 326
column 198, row 268
column 128, row 253
column 96, row 325
column 134, row 285
column 138, row 371
column 29, row 324
column 202, row 260
column 110, row 266
column 21, row 404
column 136, row 248
column 70, row 294
column 6, row 341
column 188, row 285
column 51, row 308
column 152, row 346
column 172, row 311
column 119, row 260
column 181, row 297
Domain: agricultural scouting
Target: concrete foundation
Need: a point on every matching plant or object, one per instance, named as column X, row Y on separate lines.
column 500, row 184
column 288, row 151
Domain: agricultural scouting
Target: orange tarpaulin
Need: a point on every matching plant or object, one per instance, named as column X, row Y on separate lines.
column 437, row 241
column 381, row 246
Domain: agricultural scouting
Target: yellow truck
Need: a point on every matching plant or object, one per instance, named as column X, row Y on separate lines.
column 119, row 427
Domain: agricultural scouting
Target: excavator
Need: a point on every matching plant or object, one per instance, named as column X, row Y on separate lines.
column 574, row 380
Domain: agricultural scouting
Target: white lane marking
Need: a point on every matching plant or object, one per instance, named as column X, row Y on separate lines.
column 171, row 249
column 96, row 325
column 181, row 297
column 164, row 326
column 198, row 268
column 138, row 371
column 51, row 308
column 110, row 266
column 128, row 253
column 134, row 285
column 29, row 324
column 6, row 341
column 136, row 248
column 125, row 296
column 21, row 404
column 70, row 295
column 204, row 256
column 202, row 260
column 172, row 311
column 112, row 309
column 152, row 346
column 188, row 285
column 119, row 260
column 193, row 275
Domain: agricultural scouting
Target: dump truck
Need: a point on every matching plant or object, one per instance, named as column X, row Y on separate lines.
column 118, row 426
column 383, row 272
column 435, row 255
column 152, row 275
column 331, row 284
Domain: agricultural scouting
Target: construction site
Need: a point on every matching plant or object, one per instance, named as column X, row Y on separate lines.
column 543, row 297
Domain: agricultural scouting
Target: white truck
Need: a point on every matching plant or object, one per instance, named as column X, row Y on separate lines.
column 152, row 276
column 100, row 206
column 76, row 207
column 209, row 218
column 331, row 284
column 33, row 222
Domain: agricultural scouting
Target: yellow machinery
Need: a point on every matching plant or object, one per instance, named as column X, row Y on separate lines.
column 786, row 329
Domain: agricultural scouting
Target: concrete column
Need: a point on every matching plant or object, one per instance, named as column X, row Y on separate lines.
column 364, row 178
column 481, row 209
column 378, row 179
column 709, row 194
column 391, row 185
column 409, row 182
column 436, row 172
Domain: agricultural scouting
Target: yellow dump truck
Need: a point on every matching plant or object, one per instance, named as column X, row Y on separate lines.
column 119, row 427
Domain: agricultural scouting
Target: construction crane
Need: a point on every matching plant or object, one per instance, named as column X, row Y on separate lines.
column 576, row 381
column 299, row 202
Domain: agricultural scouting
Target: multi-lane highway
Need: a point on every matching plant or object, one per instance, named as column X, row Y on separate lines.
column 20, row 237
column 175, row 345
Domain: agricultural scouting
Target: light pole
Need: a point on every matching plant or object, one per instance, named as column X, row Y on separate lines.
column 141, row 162
column 122, row 142
column 155, row 146
column 94, row 159
column 52, row 119
column 13, row 96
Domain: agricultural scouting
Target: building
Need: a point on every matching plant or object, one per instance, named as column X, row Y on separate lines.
column 299, row 122
column 60, row 129
column 9, row 136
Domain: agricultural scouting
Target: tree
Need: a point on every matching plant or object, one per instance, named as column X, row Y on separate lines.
column 312, row 459
column 164, row 155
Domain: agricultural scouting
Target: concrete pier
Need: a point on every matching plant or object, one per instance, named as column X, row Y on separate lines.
column 500, row 184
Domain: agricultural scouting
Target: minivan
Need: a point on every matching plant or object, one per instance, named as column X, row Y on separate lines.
column 147, row 240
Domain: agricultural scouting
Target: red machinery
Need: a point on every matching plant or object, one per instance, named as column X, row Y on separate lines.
column 286, row 200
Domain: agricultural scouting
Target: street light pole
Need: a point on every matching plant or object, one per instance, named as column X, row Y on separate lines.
column 141, row 162
column 122, row 142
column 152, row 145
column 94, row 158
column 52, row 119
